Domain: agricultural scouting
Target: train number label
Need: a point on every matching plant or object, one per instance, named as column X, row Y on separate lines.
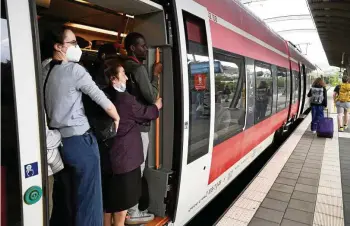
column 213, row 17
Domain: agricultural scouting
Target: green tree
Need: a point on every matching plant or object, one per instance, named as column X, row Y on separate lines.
column 326, row 80
column 334, row 79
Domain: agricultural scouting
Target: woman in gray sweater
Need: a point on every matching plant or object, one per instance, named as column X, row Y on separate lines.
column 64, row 85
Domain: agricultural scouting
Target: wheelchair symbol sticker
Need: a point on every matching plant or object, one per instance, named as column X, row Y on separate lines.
column 31, row 169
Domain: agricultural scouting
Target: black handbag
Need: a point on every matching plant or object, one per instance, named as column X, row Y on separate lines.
column 104, row 129
column 101, row 124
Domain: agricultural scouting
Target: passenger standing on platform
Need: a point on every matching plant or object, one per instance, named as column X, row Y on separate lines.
column 318, row 100
column 341, row 98
column 64, row 85
column 145, row 88
column 122, row 185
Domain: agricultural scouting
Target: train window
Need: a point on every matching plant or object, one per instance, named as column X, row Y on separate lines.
column 263, row 91
column 281, row 89
column 11, row 197
column 199, row 86
column 229, row 96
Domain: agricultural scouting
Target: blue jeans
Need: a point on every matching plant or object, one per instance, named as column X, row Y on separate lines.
column 81, row 153
column 317, row 114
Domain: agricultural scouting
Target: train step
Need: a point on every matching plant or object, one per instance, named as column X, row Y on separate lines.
column 157, row 221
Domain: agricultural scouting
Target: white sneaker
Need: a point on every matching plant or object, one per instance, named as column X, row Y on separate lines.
column 139, row 217
column 313, row 132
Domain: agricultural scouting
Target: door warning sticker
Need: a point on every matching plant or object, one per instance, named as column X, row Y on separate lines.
column 31, row 169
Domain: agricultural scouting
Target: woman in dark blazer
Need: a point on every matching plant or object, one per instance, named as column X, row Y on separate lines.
column 122, row 184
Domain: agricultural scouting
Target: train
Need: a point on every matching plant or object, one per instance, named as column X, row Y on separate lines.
column 230, row 85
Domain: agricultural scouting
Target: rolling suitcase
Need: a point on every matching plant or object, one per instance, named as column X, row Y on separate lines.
column 325, row 127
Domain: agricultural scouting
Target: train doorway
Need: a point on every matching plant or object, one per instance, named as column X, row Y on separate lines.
column 96, row 23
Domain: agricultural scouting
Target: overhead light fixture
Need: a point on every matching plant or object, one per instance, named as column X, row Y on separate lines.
column 94, row 29
column 90, row 50
column 127, row 15
column 84, row 2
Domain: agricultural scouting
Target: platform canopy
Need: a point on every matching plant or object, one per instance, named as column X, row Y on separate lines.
column 292, row 20
column 332, row 20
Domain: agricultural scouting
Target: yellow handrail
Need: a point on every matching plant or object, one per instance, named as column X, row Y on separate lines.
column 157, row 121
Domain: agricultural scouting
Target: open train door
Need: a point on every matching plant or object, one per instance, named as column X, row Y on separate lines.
column 303, row 88
column 196, row 58
column 23, row 154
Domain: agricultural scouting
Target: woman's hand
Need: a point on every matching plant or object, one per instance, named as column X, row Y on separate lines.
column 113, row 113
column 116, row 125
column 116, row 122
column 159, row 103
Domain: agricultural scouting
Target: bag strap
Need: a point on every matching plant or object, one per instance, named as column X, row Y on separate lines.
column 53, row 63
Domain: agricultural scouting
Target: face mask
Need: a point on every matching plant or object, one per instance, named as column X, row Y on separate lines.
column 73, row 54
column 120, row 88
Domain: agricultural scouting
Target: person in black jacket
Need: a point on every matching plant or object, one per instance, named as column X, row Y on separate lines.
column 318, row 101
column 145, row 88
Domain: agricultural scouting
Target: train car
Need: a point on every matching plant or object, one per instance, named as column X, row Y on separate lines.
column 229, row 85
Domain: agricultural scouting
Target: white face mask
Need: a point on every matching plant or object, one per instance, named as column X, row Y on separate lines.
column 121, row 88
column 73, row 54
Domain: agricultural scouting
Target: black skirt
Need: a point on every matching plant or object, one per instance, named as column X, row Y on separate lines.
column 121, row 191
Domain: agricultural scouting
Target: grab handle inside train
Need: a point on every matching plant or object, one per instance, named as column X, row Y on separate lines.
column 160, row 136
column 157, row 56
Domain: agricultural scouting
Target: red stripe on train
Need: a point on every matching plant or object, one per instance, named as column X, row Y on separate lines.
column 226, row 154
column 230, row 11
column 232, row 150
column 228, row 40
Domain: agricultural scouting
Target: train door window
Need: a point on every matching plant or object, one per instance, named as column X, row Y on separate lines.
column 281, row 88
column 293, row 85
column 199, row 86
column 296, row 86
column 302, row 81
column 263, row 91
column 11, row 198
column 229, row 96
column 309, row 79
column 289, row 86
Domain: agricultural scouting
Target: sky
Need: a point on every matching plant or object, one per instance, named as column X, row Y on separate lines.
column 299, row 28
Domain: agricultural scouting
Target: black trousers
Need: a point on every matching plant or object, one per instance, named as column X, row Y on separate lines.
column 144, row 199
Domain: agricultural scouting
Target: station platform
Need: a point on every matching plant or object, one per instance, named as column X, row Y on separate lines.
column 306, row 182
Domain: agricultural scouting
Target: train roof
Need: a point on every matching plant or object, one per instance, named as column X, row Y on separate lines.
column 235, row 13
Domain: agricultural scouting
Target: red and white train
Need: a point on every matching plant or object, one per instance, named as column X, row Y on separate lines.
column 229, row 84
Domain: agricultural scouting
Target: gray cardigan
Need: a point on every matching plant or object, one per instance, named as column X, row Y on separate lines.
column 63, row 98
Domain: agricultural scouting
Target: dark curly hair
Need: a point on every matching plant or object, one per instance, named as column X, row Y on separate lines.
column 131, row 39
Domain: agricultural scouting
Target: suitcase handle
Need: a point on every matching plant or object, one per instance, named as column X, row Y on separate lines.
column 326, row 108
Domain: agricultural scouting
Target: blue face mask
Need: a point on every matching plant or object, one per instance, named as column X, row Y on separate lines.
column 120, row 88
